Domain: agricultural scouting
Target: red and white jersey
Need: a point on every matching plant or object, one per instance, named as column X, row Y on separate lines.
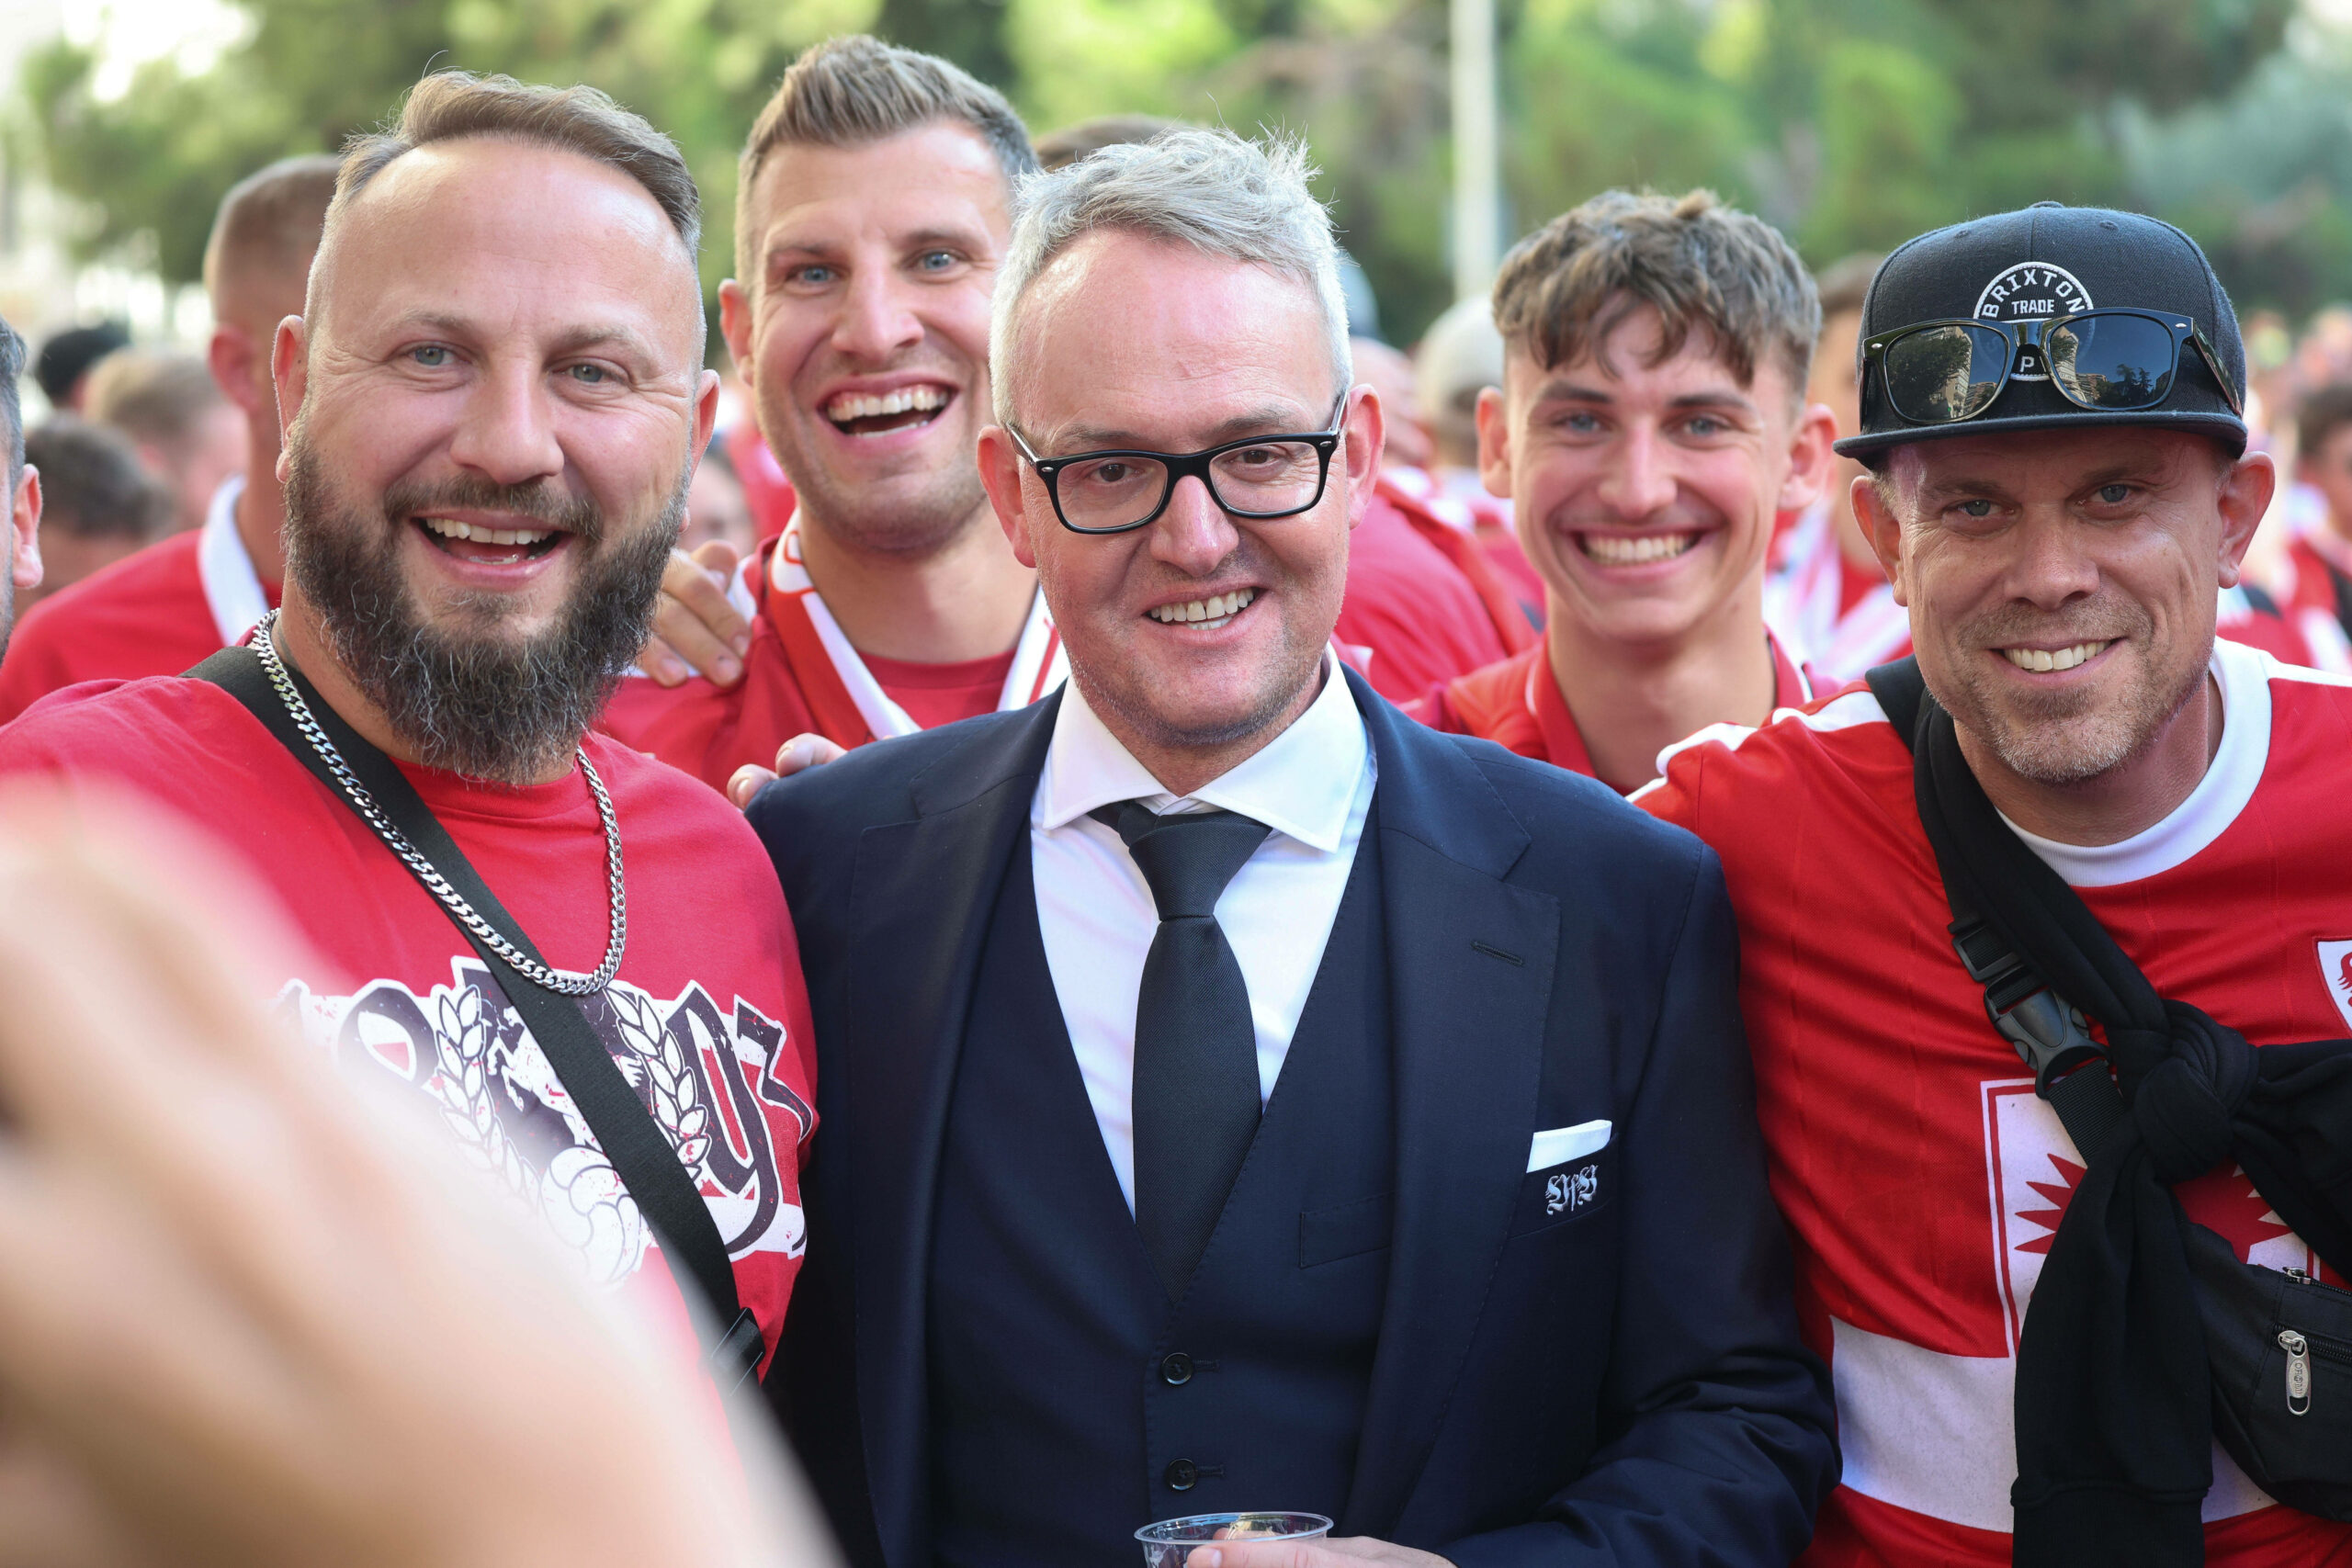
column 1921, row 1176
column 161, row 610
column 1423, row 602
column 708, row 1017
column 1517, row 704
column 2315, row 590
column 1841, row 619
column 1457, row 498
column 801, row 676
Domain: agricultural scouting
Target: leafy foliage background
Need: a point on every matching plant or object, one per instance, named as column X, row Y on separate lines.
column 1851, row 124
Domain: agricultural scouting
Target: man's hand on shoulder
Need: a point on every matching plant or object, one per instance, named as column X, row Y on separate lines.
column 801, row 751
column 696, row 630
column 1327, row 1553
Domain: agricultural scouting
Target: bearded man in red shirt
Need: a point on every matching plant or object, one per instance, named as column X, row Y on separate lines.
column 493, row 402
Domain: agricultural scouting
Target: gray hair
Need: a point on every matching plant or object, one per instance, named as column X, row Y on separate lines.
column 1209, row 189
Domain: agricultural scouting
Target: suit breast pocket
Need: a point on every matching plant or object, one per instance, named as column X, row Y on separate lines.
column 1567, row 1193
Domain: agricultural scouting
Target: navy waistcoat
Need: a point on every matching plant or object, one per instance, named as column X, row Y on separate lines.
column 1071, row 1401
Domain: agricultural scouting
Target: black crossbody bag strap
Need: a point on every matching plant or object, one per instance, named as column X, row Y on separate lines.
column 639, row 1152
column 2049, row 1033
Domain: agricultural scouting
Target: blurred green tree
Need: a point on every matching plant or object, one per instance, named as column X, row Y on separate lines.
column 1850, row 123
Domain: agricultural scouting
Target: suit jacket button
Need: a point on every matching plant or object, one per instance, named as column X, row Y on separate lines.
column 1176, row 1369
column 1180, row 1474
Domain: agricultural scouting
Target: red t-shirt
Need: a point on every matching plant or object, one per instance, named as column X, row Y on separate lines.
column 790, row 686
column 707, row 1015
column 2315, row 592
column 1517, row 704
column 1425, row 599
column 146, row 614
column 935, row 695
column 1468, row 509
column 1921, row 1177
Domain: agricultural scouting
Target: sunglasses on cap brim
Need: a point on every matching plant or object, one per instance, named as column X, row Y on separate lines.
column 2119, row 361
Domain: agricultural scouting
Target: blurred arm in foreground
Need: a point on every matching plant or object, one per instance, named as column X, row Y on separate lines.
column 248, row 1315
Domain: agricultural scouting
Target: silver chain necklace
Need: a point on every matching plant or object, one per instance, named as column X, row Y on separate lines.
column 563, row 982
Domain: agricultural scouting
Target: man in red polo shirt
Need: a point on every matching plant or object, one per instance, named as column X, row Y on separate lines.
column 171, row 605
column 1651, row 422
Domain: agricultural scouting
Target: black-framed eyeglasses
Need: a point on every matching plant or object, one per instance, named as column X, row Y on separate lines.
column 1258, row 477
column 2116, row 361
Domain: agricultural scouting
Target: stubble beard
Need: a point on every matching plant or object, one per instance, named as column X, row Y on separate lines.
column 913, row 522
column 1127, row 698
column 506, row 709
column 2072, row 737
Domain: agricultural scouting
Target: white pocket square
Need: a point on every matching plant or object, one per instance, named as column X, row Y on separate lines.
column 1561, row 1145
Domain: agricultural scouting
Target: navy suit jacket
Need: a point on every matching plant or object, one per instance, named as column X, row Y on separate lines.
column 1618, row 1380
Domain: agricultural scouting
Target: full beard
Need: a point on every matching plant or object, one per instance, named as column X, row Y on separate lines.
column 506, row 709
column 2070, row 738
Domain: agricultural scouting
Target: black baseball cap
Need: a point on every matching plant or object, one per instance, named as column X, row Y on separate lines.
column 2049, row 260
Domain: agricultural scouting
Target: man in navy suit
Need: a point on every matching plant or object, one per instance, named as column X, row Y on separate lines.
column 1233, row 1095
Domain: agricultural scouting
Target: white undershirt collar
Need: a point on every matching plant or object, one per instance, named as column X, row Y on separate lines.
column 2243, row 676
column 232, row 589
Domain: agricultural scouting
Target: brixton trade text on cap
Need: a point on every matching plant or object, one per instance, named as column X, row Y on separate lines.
column 2040, row 264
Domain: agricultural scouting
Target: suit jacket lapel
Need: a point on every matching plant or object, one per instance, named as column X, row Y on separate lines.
column 919, row 902
column 1468, row 1048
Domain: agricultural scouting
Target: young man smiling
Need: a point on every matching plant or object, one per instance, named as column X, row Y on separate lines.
column 2061, row 551
column 1651, row 421
column 875, row 200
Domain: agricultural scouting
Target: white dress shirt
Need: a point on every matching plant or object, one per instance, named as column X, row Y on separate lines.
column 1312, row 786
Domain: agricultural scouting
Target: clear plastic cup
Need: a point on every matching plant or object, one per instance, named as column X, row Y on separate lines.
column 1168, row 1543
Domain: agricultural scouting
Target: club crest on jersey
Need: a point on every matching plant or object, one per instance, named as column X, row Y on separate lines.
column 2030, row 291
column 2336, row 973
column 711, row 1078
column 2033, row 1169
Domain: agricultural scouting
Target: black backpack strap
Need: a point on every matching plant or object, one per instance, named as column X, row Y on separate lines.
column 1900, row 689
column 641, row 1152
column 2259, row 600
column 2051, row 1035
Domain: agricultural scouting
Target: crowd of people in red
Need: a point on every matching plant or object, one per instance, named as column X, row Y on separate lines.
column 1101, row 899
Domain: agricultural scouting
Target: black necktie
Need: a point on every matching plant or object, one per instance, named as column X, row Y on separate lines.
column 1195, row 1094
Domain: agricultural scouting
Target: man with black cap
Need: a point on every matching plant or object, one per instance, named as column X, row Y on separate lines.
column 2051, row 415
